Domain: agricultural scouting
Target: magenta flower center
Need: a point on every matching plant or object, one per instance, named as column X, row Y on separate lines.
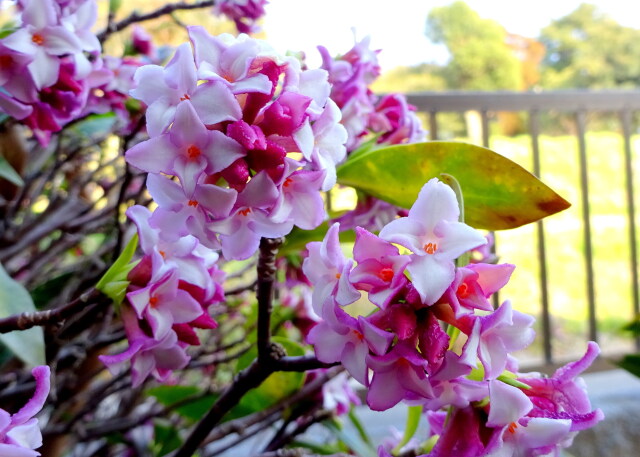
column 463, row 291
column 430, row 248
column 386, row 274
column 193, row 152
column 37, row 39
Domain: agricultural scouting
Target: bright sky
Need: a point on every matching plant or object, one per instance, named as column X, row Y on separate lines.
column 397, row 26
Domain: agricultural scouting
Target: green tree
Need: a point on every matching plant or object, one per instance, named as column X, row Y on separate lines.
column 480, row 56
column 588, row 49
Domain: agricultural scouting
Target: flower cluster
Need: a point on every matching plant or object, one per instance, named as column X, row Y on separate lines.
column 44, row 64
column 170, row 292
column 19, row 433
column 401, row 351
column 251, row 138
column 391, row 118
column 244, row 13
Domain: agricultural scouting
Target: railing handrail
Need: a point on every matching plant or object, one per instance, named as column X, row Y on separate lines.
column 562, row 100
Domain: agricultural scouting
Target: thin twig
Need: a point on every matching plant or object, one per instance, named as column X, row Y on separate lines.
column 135, row 17
column 266, row 277
column 27, row 320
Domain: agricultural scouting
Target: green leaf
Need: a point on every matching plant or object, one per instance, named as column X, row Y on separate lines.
column 413, row 420
column 321, row 449
column 276, row 387
column 192, row 410
column 43, row 293
column 114, row 6
column 361, row 449
column 95, row 125
column 27, row 345
column 512, row 381
column 631, row 363
column 114, row 282
column 7, row 172
column 498, row 193
column 166, row 438
column 355, row 420
column 633, row 327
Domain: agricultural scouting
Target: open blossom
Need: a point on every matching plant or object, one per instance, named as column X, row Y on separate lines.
column 169, row 295
column 234, row 115
column 328, row 270
column 432, row 233
column 401, row 352
column 44, row 65
column 19, row 433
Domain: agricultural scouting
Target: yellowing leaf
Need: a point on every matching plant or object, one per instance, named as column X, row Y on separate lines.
column 498, row 193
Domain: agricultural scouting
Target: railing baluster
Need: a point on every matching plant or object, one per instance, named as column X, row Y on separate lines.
column 484, row 115
column 625, row 116
column 586, row 220
column 433, row 125
column 534, row 128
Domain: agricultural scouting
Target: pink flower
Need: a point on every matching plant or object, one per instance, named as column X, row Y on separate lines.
column 433, row 234
column 187, row 151
column 380, row 269
column 497, row 335
column 163, row 89
column 19, row 433
column 328, row 270
column 474, row 284
column 398, row 375
column 44, row 40
column 147, row 354
column 397, row 121
column 342, row 338
column 244, row 13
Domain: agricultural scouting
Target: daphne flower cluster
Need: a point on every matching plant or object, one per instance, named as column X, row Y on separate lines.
column 245, row 13
column 391, row 117
column 44, row 63
column 170, row 292
column 19, row 433
column 251, row 138
column 250, row 155
column 401, row 351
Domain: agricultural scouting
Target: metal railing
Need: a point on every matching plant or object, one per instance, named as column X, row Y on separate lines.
column 577, row 104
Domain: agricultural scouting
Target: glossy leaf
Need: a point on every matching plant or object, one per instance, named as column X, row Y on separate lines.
column 193, row 406
column 498, row 193
column 27, row 345
column 166, row 438
column 413, row 420
column 9, row 173
column 631, row 363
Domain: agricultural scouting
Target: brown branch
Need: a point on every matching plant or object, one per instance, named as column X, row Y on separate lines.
column 266, row 277
column 135, row 17
column 33, row 319
column 238, row 425
column 262, row 366
column 246, row 380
